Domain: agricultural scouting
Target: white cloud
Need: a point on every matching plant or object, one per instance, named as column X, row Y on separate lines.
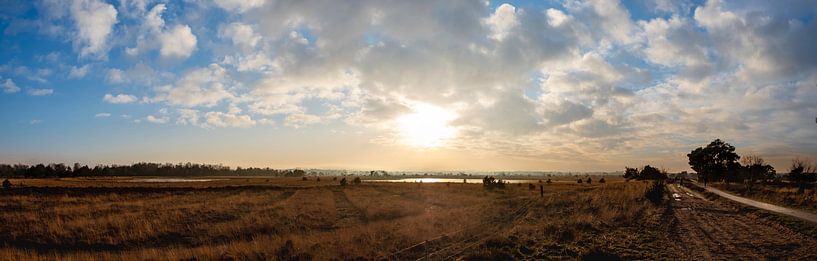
column 153, row 19
column 583, row 81
column 102, row 115
column 10, row 87
column 40, row 92
column 79, row 72
column 298, row 120
column 157, row 119
column 556, row 17
column 239, row 5
column 94, row 21
column 188, row 116
column 240, row 34
column 502, row 21
column 115, row 76
column 177, row 42
column 35, row 121
column 119, row 99
column 220, row 119
column 199, row 87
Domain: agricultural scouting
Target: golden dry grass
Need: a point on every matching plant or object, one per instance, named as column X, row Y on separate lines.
column 252, row 218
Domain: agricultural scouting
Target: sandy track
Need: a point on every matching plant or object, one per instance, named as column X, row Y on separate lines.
column 706, row 230
column 348, row 213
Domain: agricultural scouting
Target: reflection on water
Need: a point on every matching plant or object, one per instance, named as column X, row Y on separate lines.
column 448, row 180
column 169, row 180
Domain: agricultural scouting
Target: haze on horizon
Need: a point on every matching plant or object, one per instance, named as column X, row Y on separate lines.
column 406, row 85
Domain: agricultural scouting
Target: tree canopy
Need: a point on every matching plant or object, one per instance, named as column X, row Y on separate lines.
column 715, row 161
column 139, row 169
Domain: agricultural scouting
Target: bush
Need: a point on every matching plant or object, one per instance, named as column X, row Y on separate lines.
column 602, row 181
column 589, row 180
column 304, row 178
column 655, row 193
column 492, row 183
column 356, row 181
column 579, row 181
column 343, row 181
column 531, row 186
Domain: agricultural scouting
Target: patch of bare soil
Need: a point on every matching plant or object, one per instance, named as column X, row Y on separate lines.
column 702, row 229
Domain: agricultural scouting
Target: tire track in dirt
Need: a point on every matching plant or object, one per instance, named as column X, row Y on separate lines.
column 348, row 213
column 705, row 230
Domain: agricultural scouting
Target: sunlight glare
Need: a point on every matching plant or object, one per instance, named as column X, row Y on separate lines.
column 427, row 126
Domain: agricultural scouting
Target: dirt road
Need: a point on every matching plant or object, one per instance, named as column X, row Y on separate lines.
column 706, row 230
column 765, row 206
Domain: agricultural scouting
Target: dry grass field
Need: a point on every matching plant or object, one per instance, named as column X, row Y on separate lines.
column 283, row 218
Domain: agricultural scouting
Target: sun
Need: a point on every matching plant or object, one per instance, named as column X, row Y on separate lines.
column 427, row 126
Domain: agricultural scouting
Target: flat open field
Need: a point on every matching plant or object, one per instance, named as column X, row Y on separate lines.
column 287, row 218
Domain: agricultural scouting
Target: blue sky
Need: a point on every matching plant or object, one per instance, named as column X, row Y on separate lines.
column 465, row 85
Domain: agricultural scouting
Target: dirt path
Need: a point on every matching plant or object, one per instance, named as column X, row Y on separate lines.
column 706, row 230
column 348, row 214
column 765, row 206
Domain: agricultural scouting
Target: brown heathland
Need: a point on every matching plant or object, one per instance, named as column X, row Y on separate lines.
column 78, row 219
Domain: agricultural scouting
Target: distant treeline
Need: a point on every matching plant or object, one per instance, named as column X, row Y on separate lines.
column 138, row 169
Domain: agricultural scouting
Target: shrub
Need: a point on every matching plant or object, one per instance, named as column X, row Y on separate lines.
column 589, row 180
column 655, row 193
column 356, row 181
column 602, row 181
column 579, row 181
column 343, row 182
column 490, row 182
column 548, row 182
column 304, row 178
column 531, row 186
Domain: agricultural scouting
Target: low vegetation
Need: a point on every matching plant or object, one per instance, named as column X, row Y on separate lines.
column 307, row 220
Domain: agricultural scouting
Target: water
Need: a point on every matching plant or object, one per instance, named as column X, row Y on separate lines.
column 448, row 180
column 158, row 180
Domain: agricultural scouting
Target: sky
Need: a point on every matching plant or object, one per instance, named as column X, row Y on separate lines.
column 406, row 85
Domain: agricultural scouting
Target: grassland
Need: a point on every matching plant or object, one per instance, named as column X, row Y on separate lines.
column 288, row 218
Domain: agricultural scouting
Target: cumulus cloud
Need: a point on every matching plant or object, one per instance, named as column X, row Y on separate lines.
column 119, row 98
column 94, row 21
column 157, row 119
column 115, row 76
column 178, row 42
column 502, row 21
column 40, row 92
column 239, row 5
column 221, row 119
column 240, row 34
column 574, row 81
column 10, row 87
column 79, row 72
column 188, row 117
column 301, row 119
column 199, row 87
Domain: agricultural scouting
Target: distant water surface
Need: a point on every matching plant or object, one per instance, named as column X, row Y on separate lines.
column 449, row 180
column 157, row 180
